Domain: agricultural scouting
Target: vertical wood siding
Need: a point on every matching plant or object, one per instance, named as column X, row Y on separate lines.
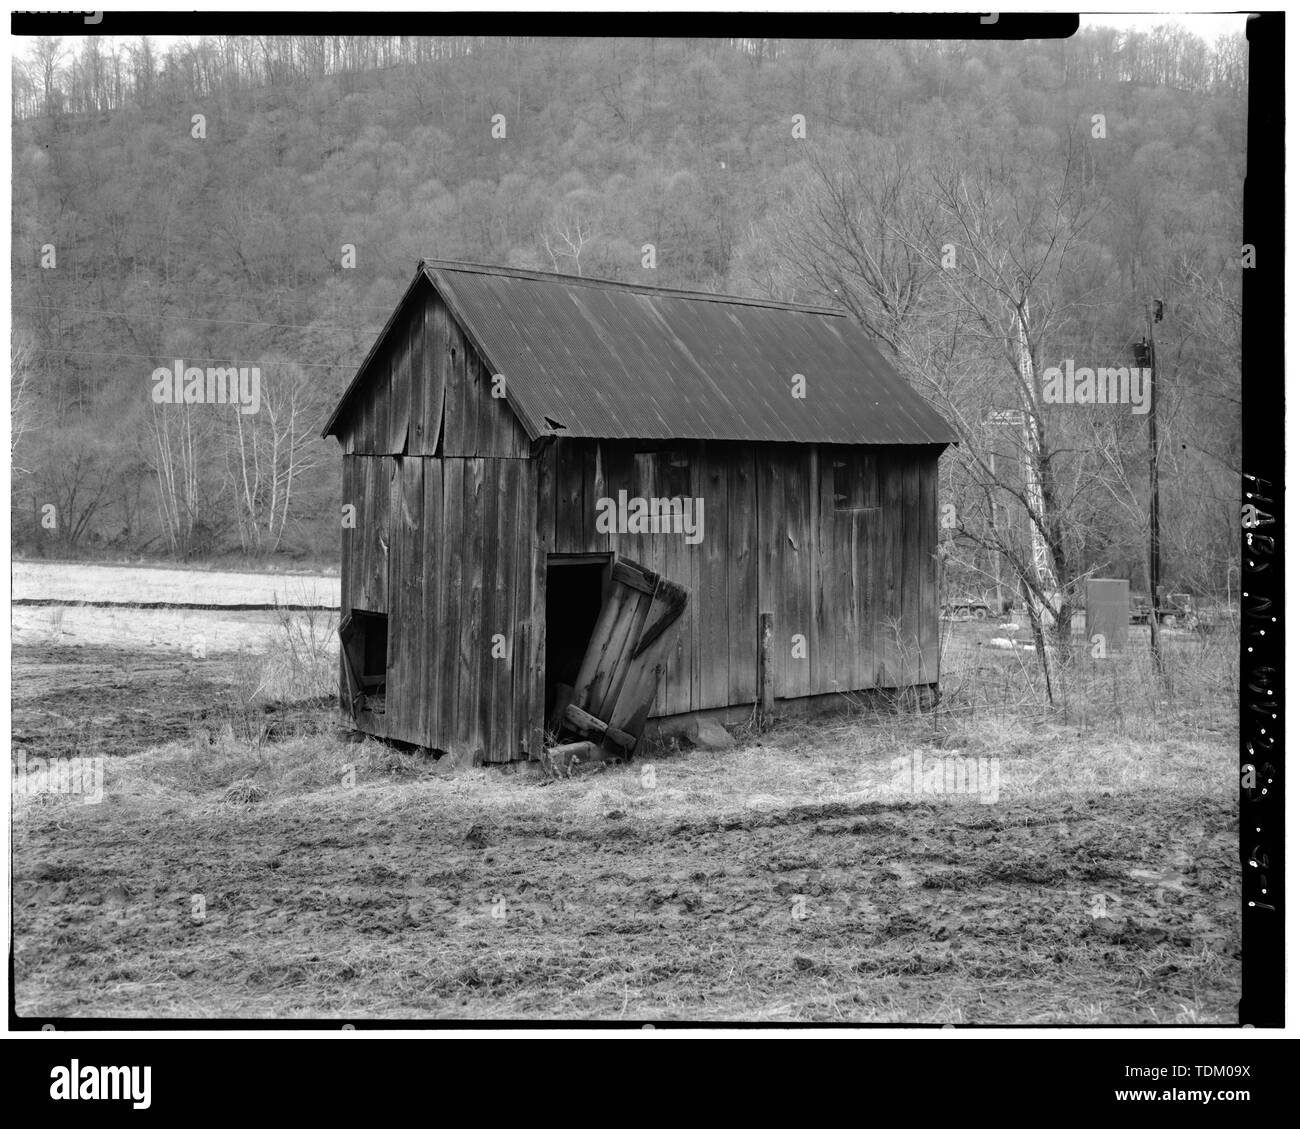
column 858, row 583
column 427, row 392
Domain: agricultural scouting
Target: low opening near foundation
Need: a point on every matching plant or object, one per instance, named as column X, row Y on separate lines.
column 364, row 636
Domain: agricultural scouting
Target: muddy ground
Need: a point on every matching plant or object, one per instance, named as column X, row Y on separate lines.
column 71, row 700
column 745, row 884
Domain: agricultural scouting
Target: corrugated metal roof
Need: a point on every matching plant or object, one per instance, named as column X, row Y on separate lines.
column 610, row 360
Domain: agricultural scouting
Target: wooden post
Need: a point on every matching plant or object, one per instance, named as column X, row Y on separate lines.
column 767, row 698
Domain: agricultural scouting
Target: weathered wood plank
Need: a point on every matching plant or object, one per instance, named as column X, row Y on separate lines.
column 766, row 669
column 469, row 734
column 913, row 534
column 407, row 590
column 640, row 546
column 471, row 394
column 590, row 685
column 563, row 759
column 522, row 517
column 399, row 391
column 866, row 567
column 544, row 542
column 694, row 557
column 347, row 535
column 381, row 382
column 711, row 592
column 593, row 489
column 435, row 604
column 626, row 632
column 843, row 611
column 418, row 380
column 887, row 610
column 500, row 435
column 928, row 592
column 363, row 536
column 769, row 530
column 365, row 424
column 498, row 606
column 453, row 417
column 451, row 559
column 396, row 694
column 347, row 532
column 348, row 430
column 794, row 602
column 742, row 580
column 866, row 563
column 633, row 690
column 373, row 520
column 820, row 642
column 585, row 724
column 570, row 536
column 412, row 553
column 437, row 362
column 631, row 572
column 676, row 474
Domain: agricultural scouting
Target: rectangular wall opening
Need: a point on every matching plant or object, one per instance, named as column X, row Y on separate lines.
column 575, row 592
column 364, row 636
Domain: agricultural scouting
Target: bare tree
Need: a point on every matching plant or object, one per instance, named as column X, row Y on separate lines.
column 22, row 403
column 268, row 452
column 961, row 266
column 179, row 442
column 571, row 228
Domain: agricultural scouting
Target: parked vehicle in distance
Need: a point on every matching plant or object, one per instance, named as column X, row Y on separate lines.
column 1199, row 613
column 963, row 608
column 1139, row 608
column 1179, row 609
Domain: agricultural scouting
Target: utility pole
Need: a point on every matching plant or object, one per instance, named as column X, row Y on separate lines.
column 1145, row 354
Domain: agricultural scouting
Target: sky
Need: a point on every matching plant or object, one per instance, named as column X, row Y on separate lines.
column 1209, row 26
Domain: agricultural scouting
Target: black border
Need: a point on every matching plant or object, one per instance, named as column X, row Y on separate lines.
column 1262, row 1001
column 1262, row 808
column 775, row 25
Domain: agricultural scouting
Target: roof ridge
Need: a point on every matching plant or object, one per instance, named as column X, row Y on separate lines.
column 614, row 284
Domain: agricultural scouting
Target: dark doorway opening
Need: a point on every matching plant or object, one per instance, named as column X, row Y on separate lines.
column 575, row 592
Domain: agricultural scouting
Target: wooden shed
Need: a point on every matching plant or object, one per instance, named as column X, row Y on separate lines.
column 516, row 443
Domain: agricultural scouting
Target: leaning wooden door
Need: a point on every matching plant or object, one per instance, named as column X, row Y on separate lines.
column 625, row 658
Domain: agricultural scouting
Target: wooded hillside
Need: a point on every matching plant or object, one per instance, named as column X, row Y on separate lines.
column 263, row 201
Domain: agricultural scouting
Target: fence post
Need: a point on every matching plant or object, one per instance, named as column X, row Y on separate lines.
column 766, row 680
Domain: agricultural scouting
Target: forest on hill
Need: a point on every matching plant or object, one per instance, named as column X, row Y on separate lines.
column 980, row 206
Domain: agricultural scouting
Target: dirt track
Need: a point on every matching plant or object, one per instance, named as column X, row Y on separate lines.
column 384, row 902
column 1100, row 888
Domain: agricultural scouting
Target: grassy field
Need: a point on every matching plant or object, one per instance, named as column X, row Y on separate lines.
column 249, row 860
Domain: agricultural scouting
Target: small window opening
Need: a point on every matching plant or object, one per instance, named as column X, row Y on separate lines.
column 853, row 481
column 677, row 477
